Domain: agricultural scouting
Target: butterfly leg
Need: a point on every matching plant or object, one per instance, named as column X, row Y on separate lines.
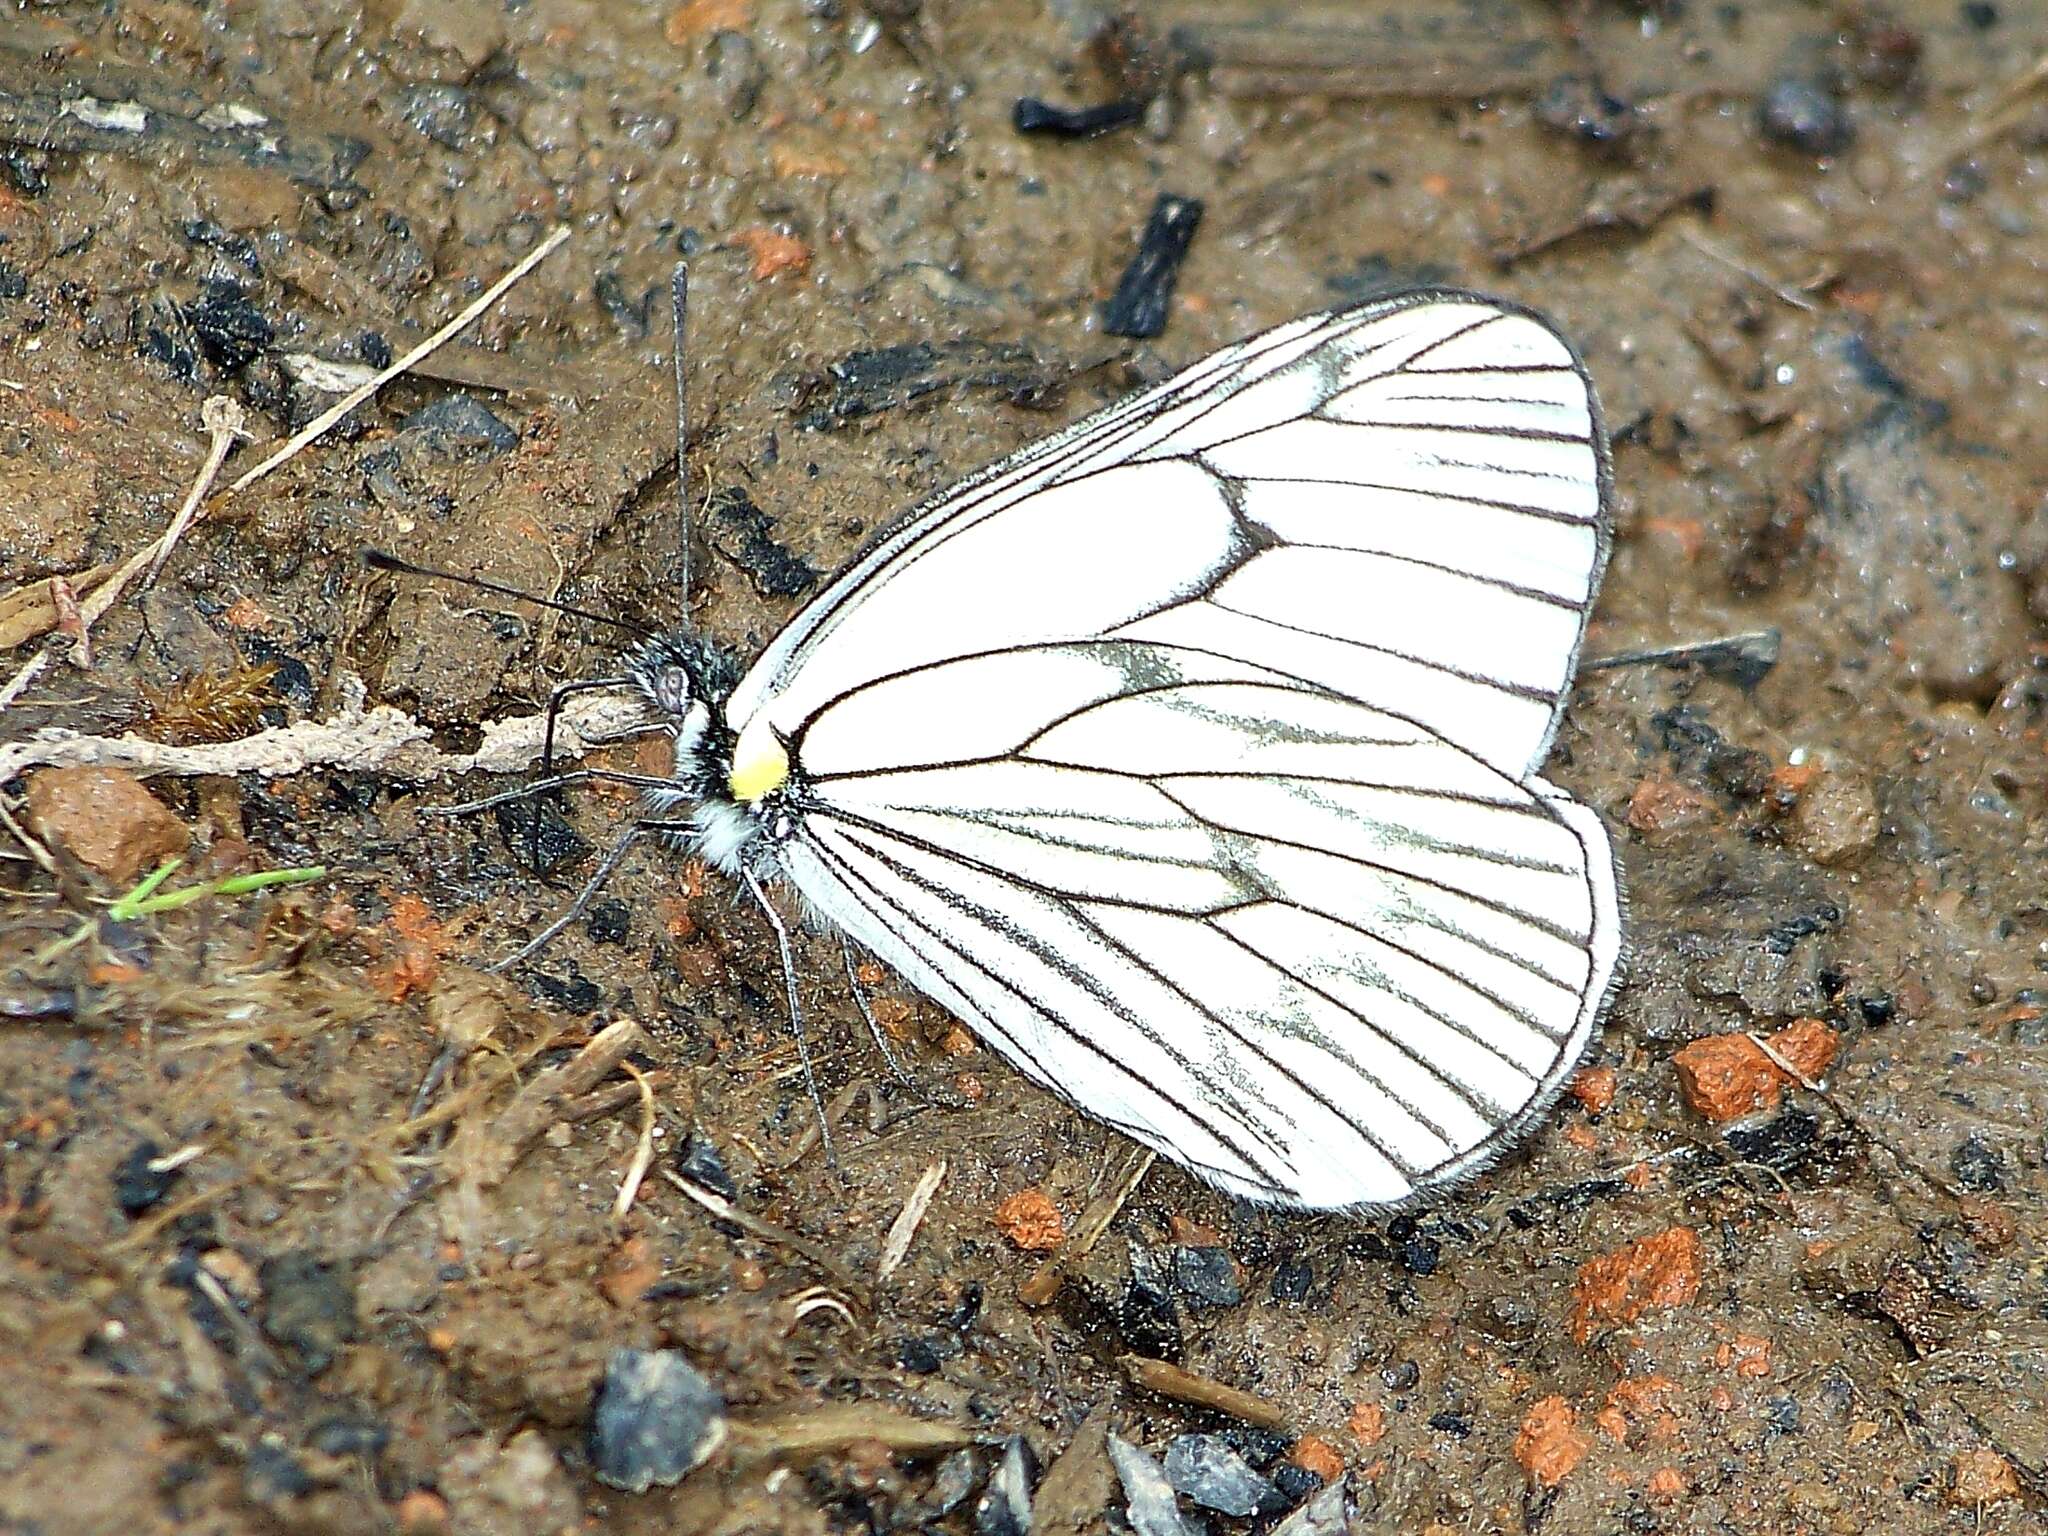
column 538, row 787
column 867, row 1012
column 611, row 861
column 796, row 1013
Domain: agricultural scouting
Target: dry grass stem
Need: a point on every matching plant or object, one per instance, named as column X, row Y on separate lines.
column 643, row 1149
column 1186, row 1387
column 903, row 1229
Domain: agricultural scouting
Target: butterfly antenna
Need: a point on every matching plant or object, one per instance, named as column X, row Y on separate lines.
column 679, row 299
column 384, row 560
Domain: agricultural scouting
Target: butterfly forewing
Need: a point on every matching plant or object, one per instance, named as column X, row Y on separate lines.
column 1189, row 755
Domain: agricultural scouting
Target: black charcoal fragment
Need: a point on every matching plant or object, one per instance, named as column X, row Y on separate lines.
column 1031, row 115
column 704, row 1166
column 1138, row 307
column 571, row 992
column 137, row 1185
column 1206, row 1278
column 1147, row 1315
column 1293, row 1279
column 555, row 845
column 609, row 921
column 231, row 330
column 741, row 532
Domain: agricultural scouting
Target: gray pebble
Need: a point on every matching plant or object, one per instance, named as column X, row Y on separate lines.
column 1801, row 112
column 309, row 1305
column 1208, row 1471
column 655, row 1421
column 1321, row 1514
column 1004, row 1508
column 956, row 1478
column 737, row 73
column 1152, row 1509
column 444, row 113
column 457, row 425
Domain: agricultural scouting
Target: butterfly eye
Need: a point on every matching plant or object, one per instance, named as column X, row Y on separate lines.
column 672, row 690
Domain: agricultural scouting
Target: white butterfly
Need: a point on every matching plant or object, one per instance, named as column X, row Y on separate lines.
column 1191, row 755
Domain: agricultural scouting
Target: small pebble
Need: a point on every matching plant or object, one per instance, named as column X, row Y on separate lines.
column 1836, row 820
column 349, row 1437
column 1206, row 1277
column 737, row 73
column 271, row 1474
column 444, row 113
column 459, row 425
column 1982, row 1477
column 1321, row 1515
column 1209, row 1472
column 1977, row 1165
column 656, row 1420
column 1804, row 114
column 105, row 819
column 309, row 1305
column 958, row 1476
column 1576, row 105
column 1151, row 1506
column 1004, row 1508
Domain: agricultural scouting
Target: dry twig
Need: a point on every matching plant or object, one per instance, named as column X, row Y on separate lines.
column 538, row 1105
column 382, row 738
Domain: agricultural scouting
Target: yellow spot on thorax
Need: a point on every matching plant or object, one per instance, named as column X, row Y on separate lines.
column 759, row 764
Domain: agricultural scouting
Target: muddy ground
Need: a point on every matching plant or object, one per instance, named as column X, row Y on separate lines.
column 255, row 1278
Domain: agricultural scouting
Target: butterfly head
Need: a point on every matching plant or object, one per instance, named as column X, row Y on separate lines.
column 685, row 678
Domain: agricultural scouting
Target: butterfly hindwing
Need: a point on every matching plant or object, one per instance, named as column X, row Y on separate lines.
column 1307, row 946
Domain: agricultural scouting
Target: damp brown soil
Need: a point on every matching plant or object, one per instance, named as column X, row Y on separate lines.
column 263, row 1268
